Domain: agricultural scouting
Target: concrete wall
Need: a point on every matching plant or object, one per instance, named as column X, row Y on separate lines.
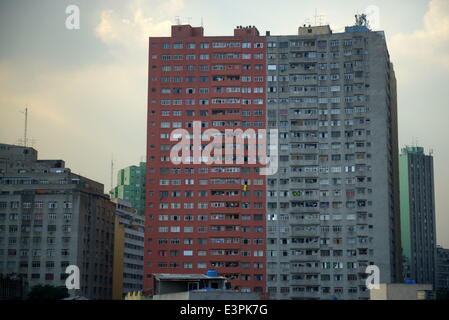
column 401, row 291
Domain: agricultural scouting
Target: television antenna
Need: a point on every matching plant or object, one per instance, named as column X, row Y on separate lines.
column 25, row 140
column 318, row 18
column 361, row 20
column 112, row 171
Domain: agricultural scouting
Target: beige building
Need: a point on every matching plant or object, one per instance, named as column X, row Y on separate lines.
column 402, row 291
column 128, row 250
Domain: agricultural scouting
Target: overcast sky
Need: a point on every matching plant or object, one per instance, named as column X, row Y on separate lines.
column 86, row 88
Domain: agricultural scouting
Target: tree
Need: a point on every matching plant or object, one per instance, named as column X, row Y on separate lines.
column 48, row 292
column 442, row 294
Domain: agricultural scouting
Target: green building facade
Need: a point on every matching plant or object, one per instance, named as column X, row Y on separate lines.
column 418, row 236
column 131, row 186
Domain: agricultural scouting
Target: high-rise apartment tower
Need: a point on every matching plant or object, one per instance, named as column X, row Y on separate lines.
column 309, row 230
column 418, row 215
column 201, row 216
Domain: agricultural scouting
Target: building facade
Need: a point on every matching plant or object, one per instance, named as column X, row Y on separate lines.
column 403, row 291
column 128, row 250
column 332, row 208
column 131, row 186
column 201, row 216
column 51, row 218
column 418, row 215
column 442, row 268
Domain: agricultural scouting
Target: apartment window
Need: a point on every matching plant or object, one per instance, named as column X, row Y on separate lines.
column 52, row 205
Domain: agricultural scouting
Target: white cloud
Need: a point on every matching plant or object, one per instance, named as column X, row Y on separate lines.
column 429, row 45
column 97, row 108
column 135, row 26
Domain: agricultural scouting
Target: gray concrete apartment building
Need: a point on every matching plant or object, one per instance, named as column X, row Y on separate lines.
column 51, row 218
column 418, row 229
column 333, row 206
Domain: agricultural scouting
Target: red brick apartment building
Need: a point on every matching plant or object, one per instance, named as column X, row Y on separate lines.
column 201, row 216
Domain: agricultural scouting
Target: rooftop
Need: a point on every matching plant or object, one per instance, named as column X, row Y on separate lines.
column 414, row 149
column 174, row 276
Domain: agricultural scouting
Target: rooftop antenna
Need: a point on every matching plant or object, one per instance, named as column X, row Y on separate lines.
column 361, row 20
column 177, row 20
column 112, row 171
column 318, row 18
column 33, row 142
column 26, row 126
column 321, row 18
column 202, row 25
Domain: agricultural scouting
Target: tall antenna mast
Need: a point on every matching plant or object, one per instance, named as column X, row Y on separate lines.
column 112, row 171
column 26, row 126
column 24, row 142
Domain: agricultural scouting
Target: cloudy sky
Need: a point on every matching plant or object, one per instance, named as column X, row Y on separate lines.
column 86, row 88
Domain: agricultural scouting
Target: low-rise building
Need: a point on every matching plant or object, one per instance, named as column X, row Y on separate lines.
column 209, row 286
column 402, row 291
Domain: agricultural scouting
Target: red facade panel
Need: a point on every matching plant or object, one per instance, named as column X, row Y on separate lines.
column 229, row 235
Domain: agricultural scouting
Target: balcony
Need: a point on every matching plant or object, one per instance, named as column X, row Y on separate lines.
column 304, row 197
column 306, row 295
column 305, row 232
column 314, row 245
column 311, row 151
column 304, row 127
column 303, row 139
column 305, row 282
column 306, row 269
column 304, row 185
